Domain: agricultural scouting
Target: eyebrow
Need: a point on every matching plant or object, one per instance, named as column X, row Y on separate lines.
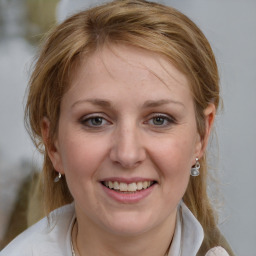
column 157, row 103
column 146, row 104
column 98, row 102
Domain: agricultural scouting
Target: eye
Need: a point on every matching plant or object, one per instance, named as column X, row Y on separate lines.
column 161, row 120
column 94, row 121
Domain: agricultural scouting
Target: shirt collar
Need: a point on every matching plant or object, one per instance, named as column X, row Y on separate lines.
column 188, row 235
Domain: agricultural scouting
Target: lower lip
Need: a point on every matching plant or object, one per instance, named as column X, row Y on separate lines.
column 128, row 198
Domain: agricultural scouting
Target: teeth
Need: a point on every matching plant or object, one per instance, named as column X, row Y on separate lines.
column 145, row 184
column 116, row 185
column 131, row 187
column 123, row 186
column 110, row 184
column 139, row 186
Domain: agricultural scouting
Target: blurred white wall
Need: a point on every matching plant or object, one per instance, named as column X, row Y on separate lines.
column 230, row 25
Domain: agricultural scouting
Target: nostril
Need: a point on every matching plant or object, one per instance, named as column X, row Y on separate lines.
column 127, row 151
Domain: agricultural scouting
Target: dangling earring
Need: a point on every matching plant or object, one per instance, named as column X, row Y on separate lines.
column 195, row 169
column 57, row 178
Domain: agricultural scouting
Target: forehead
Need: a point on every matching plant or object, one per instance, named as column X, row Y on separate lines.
column 116, row 66
column 121, row 57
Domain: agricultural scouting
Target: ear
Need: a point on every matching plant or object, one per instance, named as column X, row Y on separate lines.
column 209, row 114
column 52, row 148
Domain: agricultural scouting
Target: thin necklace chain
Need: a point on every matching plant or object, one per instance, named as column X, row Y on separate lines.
column 74, row 254
column 73, row 238
column 72, row 247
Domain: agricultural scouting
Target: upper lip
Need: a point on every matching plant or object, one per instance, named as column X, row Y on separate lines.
column 127, row 180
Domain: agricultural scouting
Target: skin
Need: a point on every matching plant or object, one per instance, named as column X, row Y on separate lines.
column 128, row 114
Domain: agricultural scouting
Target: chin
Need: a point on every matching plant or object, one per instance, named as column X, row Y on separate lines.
column 130, row 225
column 129, row 230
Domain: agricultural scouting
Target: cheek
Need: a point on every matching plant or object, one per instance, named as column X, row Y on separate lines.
column 175, row 152
column 81, row 159
column 81, row 156
column 174, row 159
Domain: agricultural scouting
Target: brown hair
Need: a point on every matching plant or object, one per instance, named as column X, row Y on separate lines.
column 139, row 23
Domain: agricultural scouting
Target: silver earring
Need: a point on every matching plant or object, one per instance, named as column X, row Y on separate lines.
column 195, row 169
column 57, row 179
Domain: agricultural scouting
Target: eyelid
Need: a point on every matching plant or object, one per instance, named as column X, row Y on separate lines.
column 88, row 117
column 170, row 119
column 93, row 115
column 167, row 116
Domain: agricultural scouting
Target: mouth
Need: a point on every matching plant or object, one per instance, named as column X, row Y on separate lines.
column 123, row 187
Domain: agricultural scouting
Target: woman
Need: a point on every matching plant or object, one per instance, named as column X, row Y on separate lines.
column 121, row 102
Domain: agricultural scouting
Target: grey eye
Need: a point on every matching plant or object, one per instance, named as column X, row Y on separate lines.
column 159, row 120
column 96, row 121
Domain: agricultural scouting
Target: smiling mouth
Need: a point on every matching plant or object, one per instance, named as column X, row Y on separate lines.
column 128, row 187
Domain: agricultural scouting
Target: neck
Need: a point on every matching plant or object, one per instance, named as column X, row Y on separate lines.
column 91, row 240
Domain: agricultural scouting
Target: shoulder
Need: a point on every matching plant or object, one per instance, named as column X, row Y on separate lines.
column 217, row 251
column 49, row 236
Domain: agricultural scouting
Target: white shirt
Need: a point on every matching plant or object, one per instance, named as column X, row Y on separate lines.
column 189, row 235
column 43, row 239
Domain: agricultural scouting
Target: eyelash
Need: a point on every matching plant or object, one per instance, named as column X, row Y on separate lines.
column 87, row 121
column 167, row 121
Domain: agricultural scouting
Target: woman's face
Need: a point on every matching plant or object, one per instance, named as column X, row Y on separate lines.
column 127, row 139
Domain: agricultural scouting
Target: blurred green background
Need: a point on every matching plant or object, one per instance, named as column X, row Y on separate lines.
column 23, row 23
column 40, row 16
column 33, row 17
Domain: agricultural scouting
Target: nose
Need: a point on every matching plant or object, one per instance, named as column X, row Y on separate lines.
column 127, row 149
